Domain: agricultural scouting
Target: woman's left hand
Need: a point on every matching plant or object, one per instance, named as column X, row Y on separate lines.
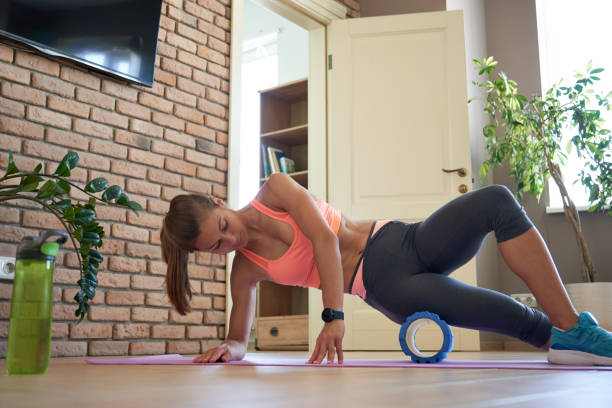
column 329, row 343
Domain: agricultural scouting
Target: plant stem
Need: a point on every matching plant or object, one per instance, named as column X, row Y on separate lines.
column 54, row 177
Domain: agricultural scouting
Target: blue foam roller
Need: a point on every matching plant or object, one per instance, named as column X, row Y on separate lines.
column 410, row 327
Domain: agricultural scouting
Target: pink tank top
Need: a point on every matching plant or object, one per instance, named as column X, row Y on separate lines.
column 297, row 265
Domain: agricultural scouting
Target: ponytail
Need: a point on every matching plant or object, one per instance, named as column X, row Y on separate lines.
column 180, row 229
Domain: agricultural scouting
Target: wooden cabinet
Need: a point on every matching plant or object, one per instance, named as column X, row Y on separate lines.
column 282, row 311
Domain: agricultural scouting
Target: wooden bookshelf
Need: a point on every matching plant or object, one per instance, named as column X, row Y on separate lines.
column 282, row 311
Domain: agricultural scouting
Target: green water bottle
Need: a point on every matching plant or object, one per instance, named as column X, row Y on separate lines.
column 29, row 338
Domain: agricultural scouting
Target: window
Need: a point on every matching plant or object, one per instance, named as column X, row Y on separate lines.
column 570, row 34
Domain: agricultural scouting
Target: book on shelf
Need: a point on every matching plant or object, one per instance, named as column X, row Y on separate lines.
column 264, row 161
column 274, row 155
column 287, row 165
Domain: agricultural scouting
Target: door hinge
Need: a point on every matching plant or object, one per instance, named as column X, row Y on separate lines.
column 329, row 62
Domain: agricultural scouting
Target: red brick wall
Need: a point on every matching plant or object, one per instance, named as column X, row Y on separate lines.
column 153, row 142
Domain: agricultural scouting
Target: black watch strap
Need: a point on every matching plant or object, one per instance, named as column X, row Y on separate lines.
column 329, row 315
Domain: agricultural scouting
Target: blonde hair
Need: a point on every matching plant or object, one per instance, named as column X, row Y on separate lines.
column 180, row 229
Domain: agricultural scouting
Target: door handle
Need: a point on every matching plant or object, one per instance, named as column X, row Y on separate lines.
column 461, row 171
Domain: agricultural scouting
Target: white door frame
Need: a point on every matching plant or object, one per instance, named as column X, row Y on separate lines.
column 314, row 16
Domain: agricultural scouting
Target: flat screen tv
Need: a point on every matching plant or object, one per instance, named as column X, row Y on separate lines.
column 115, row 37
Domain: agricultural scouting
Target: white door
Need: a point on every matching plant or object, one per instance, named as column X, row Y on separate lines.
column 397, row 107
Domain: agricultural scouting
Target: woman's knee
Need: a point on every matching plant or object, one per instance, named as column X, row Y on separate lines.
column 507, row 217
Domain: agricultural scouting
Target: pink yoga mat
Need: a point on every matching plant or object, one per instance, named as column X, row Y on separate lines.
column 270, row 360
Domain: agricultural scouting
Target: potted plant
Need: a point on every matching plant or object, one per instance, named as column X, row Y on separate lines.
column 531, row 144
column 78, row 218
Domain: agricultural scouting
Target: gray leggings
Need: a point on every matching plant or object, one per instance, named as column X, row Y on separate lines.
column 406, row 267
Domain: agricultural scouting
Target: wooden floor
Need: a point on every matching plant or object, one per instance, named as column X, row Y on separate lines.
column 72, row 383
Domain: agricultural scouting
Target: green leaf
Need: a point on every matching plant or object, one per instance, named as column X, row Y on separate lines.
column 90, row 237
column 30, row 183
column 84, row 216
column 134, row 206
column 123, row 200
column 111, row 193
column 62, row 205
column 69, row 162
column 69, row 213
column 63, row 187
column 96, row 185
column 38, row 168
column 11, row 168
column 596, row 71
column 47, row 191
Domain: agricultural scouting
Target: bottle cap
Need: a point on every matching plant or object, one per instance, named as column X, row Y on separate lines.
column 33, row 248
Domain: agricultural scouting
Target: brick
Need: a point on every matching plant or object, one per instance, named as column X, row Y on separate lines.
column 201, row 302
column 44, row 150
column 68, row 106
column 67, row 139
column 108, row 213
column 14, row 73
column 164, row 177
column 92, row 161
column 157, row 207
column 207, row 79
column 190, row 59
column 113, row 280
column 219, row 45
column 155, row 102
column 196, row 186
column 87, row 330
column 131, row 331
column 225, row 86
column 68, row 295
column 214, row 317
column 206, row 258
column 128, row 169
column 116, row 314
column 189, row 114
column 208, row 344
column 66, row 276
column 123, row 264
column 148, row 158
column 200, row 272
column 147, row 348
column 90, row 128
column 176, row 67
column 222, row 138
column 213, row 288
column 109, row 118
column 142, row 314
column 219, row 191
column 53, row 85
column 166, row 23
column 183, row 347
column 216, row 123
column 143, row 187
column 210, row 147
column 181, row 97
column 168, row 121
column 212, row 108
column 108, row 348
column 79, row 77
column 200, row 159
column 133, row 109
column 191, row 87
column 156, row 268
column 123, row 231
column 179, row 138
column 213, row 6
column 12, row 108
column 6, row 53
column 64, row 312
column 188, row 32
column 6, row 291
column 119, row 90
column 59, row 330
column 68, row 348
column 165, row 77
column 132, row 139
column 179, row 166
column 5, row 310
column 112, row 247
column 210, row 55
column 211, row 175
column 147, row 128
column 220, row 275
column 212, row 30
column 143, row 250
column 157, row 299
column 71, row 260
column 9, row 215
column 199, row 131
column 37, row 63
column 198, row 11
column 178, row 14
column 217, row 96
column 21, row 128
column 43, row 220
column 95, row 98
column 108, row 149
column 219, row 303
column 169, row 193
column 218, row 70
column 23, row 93
column 147, row 282
column 48, row 117
column 201, row 332
column 168, row 332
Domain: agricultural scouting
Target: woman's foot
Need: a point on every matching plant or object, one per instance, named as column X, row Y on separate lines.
column 584, row 344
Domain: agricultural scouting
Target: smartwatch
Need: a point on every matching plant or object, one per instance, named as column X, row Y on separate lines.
column 330, row 314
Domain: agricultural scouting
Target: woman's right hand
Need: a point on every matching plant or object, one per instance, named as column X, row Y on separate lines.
column 225, row 352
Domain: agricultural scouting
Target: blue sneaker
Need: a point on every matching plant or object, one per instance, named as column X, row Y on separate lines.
column 584, row 344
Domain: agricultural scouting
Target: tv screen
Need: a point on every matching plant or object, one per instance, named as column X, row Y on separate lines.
column 116, row 37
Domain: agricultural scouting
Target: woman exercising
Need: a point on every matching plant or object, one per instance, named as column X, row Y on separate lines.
column 288, row 236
